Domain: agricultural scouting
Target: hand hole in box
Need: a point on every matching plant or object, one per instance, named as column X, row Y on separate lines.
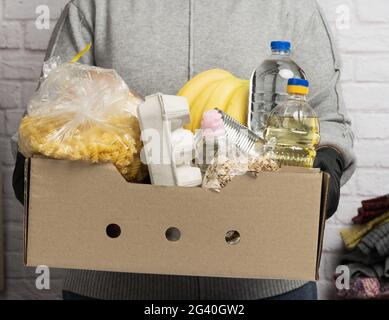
column 232, row 237
column 113, row 231
column 173, row 234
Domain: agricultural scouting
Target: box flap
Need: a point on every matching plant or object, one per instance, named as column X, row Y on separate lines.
column 323, row 218
column 27, row 166
column 300, row 170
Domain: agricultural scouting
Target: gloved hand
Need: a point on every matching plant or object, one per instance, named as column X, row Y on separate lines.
column 18, row 178
column 329, row 160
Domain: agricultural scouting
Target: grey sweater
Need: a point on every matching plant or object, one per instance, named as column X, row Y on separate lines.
column 158, row 45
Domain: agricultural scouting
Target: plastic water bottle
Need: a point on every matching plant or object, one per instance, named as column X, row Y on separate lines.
column 295, row 126
column 269, row 83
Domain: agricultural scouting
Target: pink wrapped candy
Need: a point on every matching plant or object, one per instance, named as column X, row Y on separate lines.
column 212, row 124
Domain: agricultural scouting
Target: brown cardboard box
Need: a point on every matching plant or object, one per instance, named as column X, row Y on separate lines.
column 279, row 216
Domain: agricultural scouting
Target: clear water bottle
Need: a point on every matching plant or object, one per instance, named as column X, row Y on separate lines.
column 268, row 84
column 295, row 126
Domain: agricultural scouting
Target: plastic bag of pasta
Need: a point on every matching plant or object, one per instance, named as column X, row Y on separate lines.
column 84, row 113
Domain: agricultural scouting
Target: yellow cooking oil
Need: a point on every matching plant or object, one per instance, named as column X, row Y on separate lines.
column 295, row 127
column 297, row 139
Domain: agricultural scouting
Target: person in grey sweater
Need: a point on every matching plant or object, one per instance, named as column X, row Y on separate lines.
column 157, row 46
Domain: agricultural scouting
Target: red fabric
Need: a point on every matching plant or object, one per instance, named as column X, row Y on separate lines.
column 366, row 216
column 372, row 209
column 376, row 203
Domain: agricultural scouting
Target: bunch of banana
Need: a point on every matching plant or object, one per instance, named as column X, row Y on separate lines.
column 216, row 88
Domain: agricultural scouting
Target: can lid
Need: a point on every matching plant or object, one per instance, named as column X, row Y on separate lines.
column 280, row 45
column 298, row 86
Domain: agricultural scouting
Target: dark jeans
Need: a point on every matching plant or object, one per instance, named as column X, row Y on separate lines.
column 307, row 292
column 67, row 295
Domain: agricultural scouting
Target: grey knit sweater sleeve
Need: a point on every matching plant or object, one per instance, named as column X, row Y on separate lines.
column 316, row 52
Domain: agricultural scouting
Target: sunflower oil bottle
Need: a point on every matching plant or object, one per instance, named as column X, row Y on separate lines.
column 295, row 126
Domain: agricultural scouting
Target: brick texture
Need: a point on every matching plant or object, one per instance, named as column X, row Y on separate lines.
column 22, row 48
column 361, row 29
column 11, row 35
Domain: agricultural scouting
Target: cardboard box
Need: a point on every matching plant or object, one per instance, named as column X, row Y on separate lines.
column 86, row 216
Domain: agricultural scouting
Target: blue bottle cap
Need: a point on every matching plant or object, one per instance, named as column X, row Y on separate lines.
column 280, row 45
column 298, row 82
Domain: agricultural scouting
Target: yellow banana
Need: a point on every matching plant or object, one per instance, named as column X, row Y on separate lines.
column 196, row 85
column 237, row 107
column 219, row 98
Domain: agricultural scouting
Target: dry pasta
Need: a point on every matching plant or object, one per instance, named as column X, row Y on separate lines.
column 84, row 113
column 117, row 141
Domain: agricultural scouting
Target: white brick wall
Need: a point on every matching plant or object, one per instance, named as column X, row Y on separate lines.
column 21, row 55
column 365, row 50
column 364, row 46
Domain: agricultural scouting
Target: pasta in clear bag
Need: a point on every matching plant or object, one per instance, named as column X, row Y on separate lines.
column 86, row 113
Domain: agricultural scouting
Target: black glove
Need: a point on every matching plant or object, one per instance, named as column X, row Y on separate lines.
column 18, row 178
column 329, row 160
